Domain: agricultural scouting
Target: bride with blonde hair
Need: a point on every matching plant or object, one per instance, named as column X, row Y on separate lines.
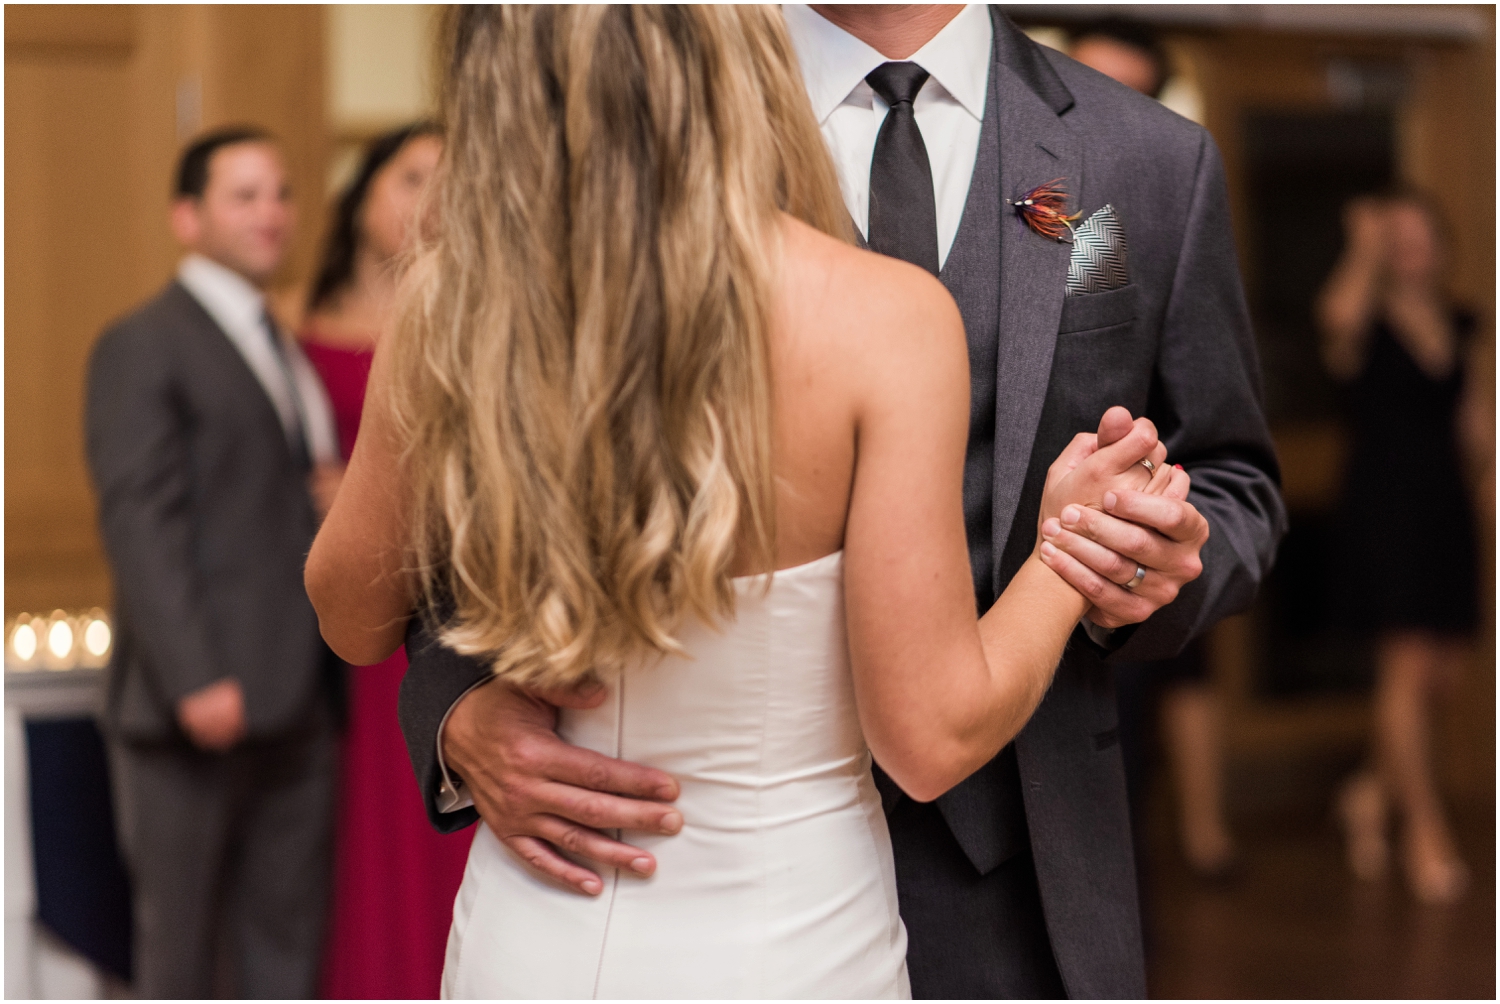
column 649, row 422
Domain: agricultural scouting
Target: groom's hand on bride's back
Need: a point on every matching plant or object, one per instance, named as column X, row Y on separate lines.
column 1098, row 551
column 539, row 794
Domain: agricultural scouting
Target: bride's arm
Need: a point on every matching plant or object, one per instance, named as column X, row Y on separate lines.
column 940, row 693
column 356, row 575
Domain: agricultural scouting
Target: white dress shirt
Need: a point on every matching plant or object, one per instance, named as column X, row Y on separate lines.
column 240, row 309
column 949, row 109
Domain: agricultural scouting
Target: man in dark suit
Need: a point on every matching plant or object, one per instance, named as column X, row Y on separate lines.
column 210, row 442
column 1019, row 882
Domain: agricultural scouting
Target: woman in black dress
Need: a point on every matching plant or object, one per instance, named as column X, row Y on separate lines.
column 1409, row 545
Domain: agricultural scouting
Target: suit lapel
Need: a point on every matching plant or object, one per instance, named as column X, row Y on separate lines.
column 232, row 361
column 1035, row 147
column 859, row 238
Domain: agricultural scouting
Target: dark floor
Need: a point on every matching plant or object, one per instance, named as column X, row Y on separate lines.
column 1294, row 923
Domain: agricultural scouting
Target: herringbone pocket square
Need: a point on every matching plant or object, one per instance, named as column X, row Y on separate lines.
column 1098, row 262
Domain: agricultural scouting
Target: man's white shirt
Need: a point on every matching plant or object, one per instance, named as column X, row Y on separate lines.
column 239, row 309
column 949, row 109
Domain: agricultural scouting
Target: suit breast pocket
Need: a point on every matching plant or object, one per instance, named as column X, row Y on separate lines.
column 1097, row 311
column 1104, row 355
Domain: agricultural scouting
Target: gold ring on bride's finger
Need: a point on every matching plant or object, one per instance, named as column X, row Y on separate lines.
column 1150, row 467
column 1137, row 578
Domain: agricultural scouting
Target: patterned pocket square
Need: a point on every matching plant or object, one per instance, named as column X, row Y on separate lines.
column 1098, row 262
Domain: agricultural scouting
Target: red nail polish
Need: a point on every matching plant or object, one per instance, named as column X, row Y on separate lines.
column 1178, row 466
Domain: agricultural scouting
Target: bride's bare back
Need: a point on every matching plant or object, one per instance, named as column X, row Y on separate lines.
column 852, row 330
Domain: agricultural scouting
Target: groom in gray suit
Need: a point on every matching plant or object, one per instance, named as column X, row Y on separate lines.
column 944, row 122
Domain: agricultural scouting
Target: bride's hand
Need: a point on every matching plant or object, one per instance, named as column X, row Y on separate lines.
column 1085, row 472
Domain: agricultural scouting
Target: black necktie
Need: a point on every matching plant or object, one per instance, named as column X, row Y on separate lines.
column 297, row 435
column 903, row 206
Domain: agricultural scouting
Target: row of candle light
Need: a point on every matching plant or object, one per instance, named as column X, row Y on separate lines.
column 59, row 640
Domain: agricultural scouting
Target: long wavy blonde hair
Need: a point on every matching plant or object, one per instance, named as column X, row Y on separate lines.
column 582, row 371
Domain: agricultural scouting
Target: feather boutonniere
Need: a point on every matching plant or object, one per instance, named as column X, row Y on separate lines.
column 1044, row 209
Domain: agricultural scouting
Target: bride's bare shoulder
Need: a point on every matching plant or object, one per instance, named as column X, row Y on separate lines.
column 856, row 299
column 817, row 261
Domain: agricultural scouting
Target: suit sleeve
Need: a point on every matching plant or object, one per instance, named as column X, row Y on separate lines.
column 436, row 677
column 138, row 453
column 1207, row 401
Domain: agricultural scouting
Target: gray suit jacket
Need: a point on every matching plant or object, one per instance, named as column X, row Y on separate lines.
column 207, row 522
column 1174, row 344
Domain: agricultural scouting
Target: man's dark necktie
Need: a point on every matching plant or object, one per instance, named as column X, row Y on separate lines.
column 296, row 436
column 903, row 206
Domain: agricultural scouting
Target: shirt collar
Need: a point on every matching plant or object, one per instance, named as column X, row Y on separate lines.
column 959, row 57
column 225, row 292
column 834, row 62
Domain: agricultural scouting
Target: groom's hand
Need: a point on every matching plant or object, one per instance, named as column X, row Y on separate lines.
column 1101, row 550
column 540, row 795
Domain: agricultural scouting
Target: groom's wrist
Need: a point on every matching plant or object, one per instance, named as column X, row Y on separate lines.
column 452, row 794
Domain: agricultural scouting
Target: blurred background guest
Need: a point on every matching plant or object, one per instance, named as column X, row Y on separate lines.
column 1177, row 692
column 211, row 446
column 394, row 876
column 1408, row 558
column 1129, row 51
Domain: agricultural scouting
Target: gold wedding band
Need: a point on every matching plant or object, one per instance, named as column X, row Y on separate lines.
column 1150, row 467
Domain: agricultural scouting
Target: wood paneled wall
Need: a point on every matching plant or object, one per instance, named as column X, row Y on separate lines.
column 98, row 101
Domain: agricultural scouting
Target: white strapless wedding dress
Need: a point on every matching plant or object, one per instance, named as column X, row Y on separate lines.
column 780, row 883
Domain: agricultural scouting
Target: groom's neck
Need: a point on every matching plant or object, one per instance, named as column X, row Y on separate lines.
column 893, row 30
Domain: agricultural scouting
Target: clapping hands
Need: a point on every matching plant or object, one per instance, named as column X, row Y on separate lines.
column 1366, row 229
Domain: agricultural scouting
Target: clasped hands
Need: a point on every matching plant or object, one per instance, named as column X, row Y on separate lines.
column 1099, row 550
column 550, row 802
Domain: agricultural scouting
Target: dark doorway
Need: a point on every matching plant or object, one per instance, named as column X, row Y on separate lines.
column 1301, row 169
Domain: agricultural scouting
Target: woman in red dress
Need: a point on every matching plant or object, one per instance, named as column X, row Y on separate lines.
column 394, row 876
